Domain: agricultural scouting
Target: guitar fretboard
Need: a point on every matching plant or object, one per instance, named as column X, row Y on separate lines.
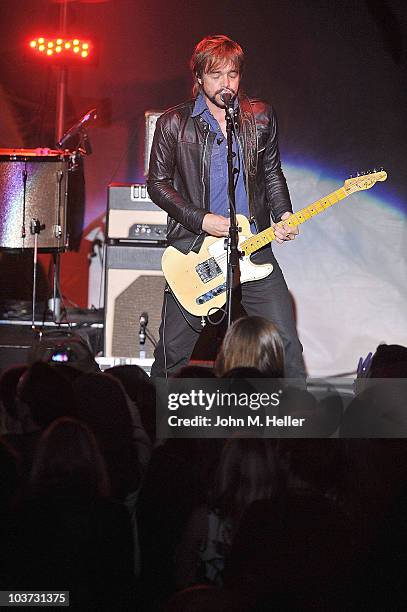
column 253, row 244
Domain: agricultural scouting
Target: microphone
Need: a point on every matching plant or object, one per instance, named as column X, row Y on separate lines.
column 227, row 98
column 143, row 325
column 77, row 127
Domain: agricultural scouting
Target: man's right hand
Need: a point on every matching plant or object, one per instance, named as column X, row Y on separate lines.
column 215, row 225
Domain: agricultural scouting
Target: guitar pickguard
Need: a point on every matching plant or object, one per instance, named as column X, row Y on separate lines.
column 248, row 270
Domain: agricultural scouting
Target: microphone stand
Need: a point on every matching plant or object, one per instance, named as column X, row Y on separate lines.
column 78, row 127
column 232, row 242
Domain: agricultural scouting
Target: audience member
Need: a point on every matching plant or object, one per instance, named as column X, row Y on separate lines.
column 68, row 463
column 8, row 398
column 46, row 392
column 292, row 555
column 104, row 406
column 389, row 361
column 247, row 471
column 178, row 478
column 252, row 342
column 38, row 395
column 194, row 371
column 141, row 391
column 72, row 537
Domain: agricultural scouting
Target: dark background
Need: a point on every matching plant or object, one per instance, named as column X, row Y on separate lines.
column 335, row 71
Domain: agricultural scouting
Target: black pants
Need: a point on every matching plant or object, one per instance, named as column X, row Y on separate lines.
column 268, row 298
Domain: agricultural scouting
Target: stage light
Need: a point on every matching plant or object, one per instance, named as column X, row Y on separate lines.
column 63, row 48
column 49, row 52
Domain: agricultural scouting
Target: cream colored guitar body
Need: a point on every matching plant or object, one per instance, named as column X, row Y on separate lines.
column 200, row 286
column 198, row 280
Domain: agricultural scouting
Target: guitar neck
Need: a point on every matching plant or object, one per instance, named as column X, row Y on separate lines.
column 257, row 241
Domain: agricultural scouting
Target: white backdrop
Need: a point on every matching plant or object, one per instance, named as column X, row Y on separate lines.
column 347, row 272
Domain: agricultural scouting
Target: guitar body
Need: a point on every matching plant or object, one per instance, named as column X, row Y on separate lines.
column 198, row 280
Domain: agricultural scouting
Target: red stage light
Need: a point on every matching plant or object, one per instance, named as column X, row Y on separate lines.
column 67, row 48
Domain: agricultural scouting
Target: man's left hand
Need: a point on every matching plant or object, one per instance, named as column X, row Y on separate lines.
column 284, row 232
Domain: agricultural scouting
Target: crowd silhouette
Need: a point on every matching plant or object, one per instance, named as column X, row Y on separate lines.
column 93, row 502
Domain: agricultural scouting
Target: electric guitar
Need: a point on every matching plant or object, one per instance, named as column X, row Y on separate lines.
column 198, row 280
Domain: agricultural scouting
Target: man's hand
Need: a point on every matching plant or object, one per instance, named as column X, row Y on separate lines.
column 215, row 225
column 284, row 232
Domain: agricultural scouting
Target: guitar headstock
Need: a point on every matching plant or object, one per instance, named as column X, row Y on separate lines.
column 365, row 181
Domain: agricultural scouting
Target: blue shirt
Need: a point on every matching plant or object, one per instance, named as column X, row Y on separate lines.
column 219, row 196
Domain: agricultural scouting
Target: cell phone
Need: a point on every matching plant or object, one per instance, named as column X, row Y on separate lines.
column 60, row 356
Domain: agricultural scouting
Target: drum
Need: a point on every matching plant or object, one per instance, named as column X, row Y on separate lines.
column 33, row 193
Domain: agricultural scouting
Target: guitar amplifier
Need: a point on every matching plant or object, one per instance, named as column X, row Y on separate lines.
column 134, row 284
column 132, row 217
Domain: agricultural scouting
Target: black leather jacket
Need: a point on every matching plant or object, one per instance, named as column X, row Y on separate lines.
column 179, row 171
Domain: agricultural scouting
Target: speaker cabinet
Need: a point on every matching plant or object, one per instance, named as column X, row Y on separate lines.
column 134, row 284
